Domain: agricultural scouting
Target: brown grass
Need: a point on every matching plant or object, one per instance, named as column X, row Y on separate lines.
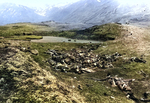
column 136, row 39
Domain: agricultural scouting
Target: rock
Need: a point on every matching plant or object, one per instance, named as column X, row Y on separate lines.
column 23, row 49
column 34, row 52
column 113, row 83
column 87, row 70
column 8, row 101
column 75, row 68
column 79, row 60
column 2, row 80
column 57, row 58
column 138, row 60
column 52, row 62
column 79, row 87
column 68, row 61
column 72, row 58
column 146, row 94
column 51, row 52
column 63, row 68
column 109, row 65
column 112, row 97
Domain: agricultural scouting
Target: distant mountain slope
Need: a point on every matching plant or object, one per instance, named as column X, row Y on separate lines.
column 100, row 12
column 12, row 13
column 93, row 12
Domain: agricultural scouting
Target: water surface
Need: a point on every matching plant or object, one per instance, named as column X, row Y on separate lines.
column 52, row 39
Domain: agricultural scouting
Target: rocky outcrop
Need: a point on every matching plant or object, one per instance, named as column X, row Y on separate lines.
column 81, row 60
column 122, row 84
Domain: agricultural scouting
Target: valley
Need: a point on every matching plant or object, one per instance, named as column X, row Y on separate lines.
column 89, row 51
column 75, row 72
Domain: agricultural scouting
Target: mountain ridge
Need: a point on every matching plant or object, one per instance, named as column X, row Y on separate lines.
column 94, row 12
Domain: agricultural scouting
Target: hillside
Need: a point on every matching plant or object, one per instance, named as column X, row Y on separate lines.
column 105, row 11
column 81, row 14
column 12, row 13
column 115, row 70
column 23, row 80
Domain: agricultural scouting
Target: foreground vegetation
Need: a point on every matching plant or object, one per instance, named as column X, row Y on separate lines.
column 30, row 80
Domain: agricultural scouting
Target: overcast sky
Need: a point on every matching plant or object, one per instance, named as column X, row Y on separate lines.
column 37, row 3
column 43, row 3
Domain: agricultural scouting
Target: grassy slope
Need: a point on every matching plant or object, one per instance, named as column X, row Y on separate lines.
column 101, row 91
column 102, row 32
column 19, row 31
column 94, row 93
column 23, row 31
column 22, row 80
column 122, row 69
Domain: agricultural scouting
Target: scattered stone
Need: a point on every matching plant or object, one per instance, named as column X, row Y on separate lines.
column 112, row 97
column 2, row 80
column 138, row 60
column 35, row 52
column 87, row 70
column 79, row 60
column 8, row 101
column 23, row 49
column 122, row 84
column 79, row 87
column 51, row 62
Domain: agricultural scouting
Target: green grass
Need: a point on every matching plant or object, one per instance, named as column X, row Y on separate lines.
column 102, row 32
column 7, row 31
column 97, row 92
column 127, row 70
column 30, row 37
column 22, row 29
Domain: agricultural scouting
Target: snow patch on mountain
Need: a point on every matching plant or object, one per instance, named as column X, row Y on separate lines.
column 82, row 11
column 13, row 13
column 101, row 12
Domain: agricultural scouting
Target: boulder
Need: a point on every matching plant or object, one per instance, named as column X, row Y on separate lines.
column 34, row 52
column 62, row 67
column 138, row 60
column 51, row 62
column 87, row 70
column 23, row 49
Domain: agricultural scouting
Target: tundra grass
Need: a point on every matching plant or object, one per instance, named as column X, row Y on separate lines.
column 21, row 29
column 103, row 32
column 30, row 37
column 94, row 91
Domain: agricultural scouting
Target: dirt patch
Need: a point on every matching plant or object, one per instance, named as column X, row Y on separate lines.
column 134, row 38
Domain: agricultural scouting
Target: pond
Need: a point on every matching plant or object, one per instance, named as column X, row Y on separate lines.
column 52, row 39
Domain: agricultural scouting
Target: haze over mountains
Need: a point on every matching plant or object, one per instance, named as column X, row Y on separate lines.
column 83, row 11
column 12, row 13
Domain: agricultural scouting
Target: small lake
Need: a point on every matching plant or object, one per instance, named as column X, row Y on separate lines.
column 52, row 39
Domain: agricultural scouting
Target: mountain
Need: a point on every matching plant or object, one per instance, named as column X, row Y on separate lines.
column 12, row 13
column 100, row 12
column 89, row 12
